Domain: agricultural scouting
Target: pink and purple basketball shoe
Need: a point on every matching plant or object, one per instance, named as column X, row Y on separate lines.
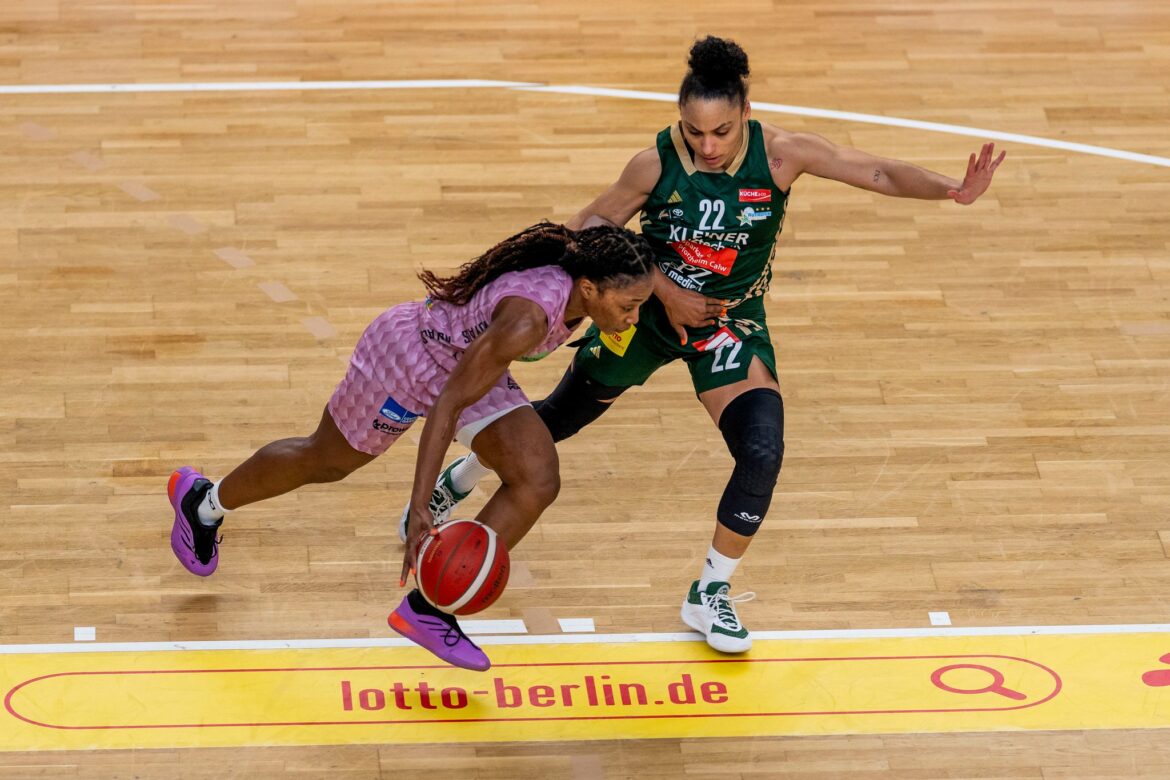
column 438, row 632
column 195, row 545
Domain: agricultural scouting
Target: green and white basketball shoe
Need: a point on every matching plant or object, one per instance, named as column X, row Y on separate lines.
column 444, row 499
column 711, row 612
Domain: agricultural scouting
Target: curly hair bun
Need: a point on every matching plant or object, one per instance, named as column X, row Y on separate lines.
column 716, row 61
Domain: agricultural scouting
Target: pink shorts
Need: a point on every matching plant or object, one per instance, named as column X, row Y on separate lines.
column 390, row 383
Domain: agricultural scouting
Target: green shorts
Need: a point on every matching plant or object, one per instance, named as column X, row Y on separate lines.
column 716, row 355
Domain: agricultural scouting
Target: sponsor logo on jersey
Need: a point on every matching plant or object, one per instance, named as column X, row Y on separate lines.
column 719, row 261
column 392, row 410
column 393, row 430
column 674, row 197
column 755, row 196
column 719, row 338
column 595, row 351
column 692, row 282
column 750, row 216
column 709, row 237
column 618, row 343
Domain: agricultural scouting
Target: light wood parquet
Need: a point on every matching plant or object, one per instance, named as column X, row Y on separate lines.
column 977, row 399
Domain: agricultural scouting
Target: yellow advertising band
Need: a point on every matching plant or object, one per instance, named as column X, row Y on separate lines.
column 557, row 688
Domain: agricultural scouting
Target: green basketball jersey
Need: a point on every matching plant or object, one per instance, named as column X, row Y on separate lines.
column 715, row 233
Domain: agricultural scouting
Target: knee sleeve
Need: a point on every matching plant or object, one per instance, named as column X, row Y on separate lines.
column 576, row 402
column 753, row 427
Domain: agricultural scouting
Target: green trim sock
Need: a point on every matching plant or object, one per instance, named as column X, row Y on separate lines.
column 467, row 474
column 717, row 568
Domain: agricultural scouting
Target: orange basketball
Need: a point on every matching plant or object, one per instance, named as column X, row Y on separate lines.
column 463, row 568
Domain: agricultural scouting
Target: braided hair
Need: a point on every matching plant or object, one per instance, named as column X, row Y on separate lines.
column 717, row 69
column 607, row 255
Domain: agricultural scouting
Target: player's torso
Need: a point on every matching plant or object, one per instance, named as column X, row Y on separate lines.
column 715, row 233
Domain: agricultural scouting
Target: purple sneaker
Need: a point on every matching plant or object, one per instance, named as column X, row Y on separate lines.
column 195, row 544
column 438, row 632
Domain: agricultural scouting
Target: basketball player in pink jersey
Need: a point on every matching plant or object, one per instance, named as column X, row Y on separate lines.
column 446, row 359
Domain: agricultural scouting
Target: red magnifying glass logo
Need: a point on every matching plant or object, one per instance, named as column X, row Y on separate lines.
column 995, row 686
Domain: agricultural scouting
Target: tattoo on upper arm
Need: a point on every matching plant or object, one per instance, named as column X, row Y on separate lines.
column 776, row 163
column 877, row 174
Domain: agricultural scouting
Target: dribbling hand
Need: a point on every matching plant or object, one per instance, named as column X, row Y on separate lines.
column 419, row 525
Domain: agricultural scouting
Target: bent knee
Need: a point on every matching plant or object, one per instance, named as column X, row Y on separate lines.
column 543, row 482
column 539, row 477
column 759, row 459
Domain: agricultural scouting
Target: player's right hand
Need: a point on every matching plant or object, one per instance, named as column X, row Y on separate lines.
column 419, row 523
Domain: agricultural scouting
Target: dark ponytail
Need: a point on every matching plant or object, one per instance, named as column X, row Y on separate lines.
column 606, row 255
column 718, row 69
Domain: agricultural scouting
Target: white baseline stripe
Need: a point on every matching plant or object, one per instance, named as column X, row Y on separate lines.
column 823, row 113
column 580, row 639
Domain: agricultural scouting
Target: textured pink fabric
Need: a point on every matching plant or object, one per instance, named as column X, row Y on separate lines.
column 408, row 352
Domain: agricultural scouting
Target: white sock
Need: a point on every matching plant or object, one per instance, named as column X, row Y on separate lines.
column 717, row 568
column 467, row 474
column 210, row 509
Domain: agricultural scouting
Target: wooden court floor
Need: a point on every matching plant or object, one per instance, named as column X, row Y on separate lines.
column 978, row 399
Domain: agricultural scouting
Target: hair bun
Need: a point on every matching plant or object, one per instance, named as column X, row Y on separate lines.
column 718, row 61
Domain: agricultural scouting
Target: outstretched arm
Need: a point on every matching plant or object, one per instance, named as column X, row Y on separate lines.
column 808, row 153
column 624, row 198
column 518, row 326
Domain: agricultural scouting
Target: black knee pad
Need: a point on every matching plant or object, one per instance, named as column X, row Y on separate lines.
column 574, row 403
column 753, row 427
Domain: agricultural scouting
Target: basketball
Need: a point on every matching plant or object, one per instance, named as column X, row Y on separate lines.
column 463, row 568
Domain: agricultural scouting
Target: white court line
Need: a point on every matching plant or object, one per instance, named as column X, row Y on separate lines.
column 577, row 625
column 822, row 113
column 493, row 627
column 581, row 639
column 939, row 618
column 253, row 86
column 875, row 119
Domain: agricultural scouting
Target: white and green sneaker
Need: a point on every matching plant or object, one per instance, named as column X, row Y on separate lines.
column 444, row 499
column 711, row 612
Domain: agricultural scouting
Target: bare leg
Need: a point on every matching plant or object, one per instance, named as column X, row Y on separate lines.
column 521, row 449
column 277, row 468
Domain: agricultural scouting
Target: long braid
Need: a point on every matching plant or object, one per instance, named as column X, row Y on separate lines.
column 542, row 244
column 607, row 255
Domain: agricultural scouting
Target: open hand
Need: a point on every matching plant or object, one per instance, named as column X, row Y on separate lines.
column 979, row 172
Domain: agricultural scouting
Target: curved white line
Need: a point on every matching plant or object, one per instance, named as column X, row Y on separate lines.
column 874, row 119
column 255, row 86
column 822, row 113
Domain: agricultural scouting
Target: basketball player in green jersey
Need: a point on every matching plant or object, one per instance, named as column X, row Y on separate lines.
column 712, row 194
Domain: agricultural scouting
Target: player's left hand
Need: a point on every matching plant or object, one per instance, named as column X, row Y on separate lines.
column 419, row 525
column 979, row 172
